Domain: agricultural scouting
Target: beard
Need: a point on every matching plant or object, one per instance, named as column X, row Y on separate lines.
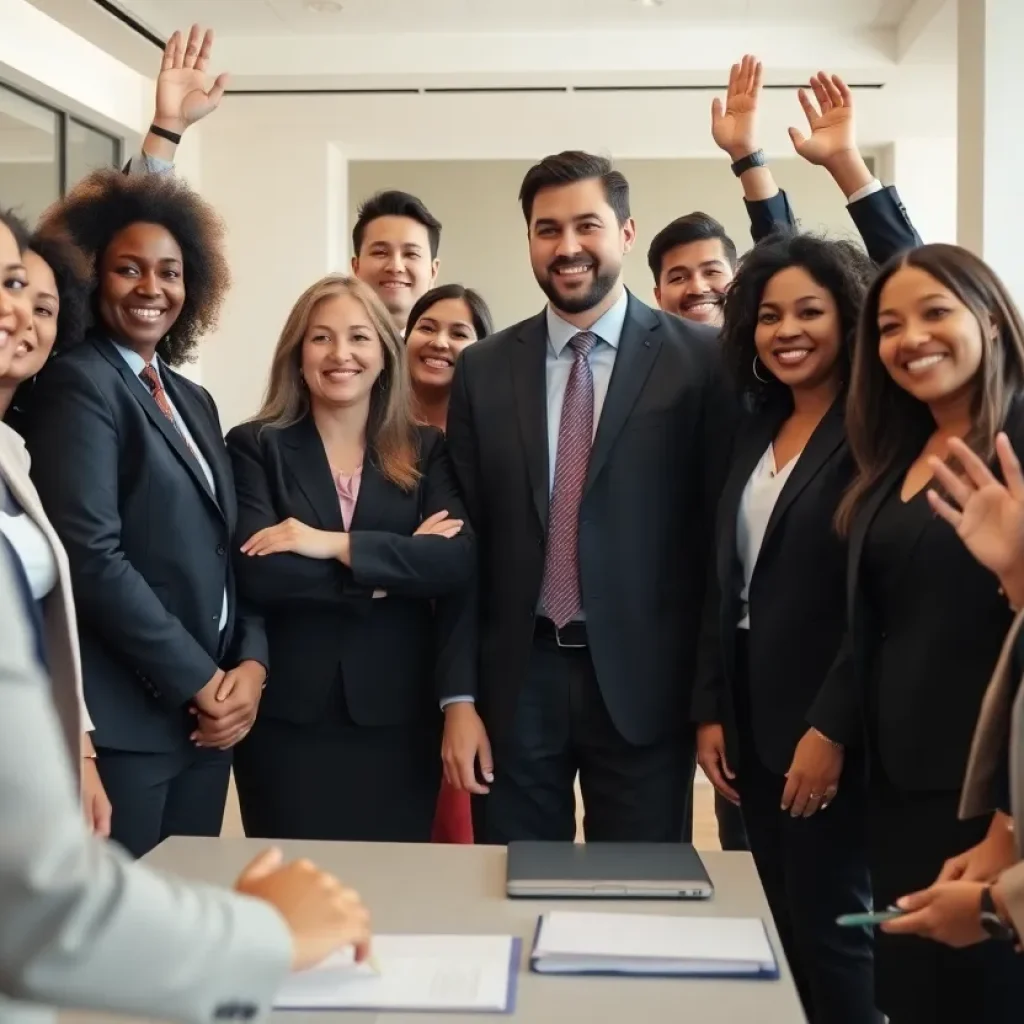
column 605, row 279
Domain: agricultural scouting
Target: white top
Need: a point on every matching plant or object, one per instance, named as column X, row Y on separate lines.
column 756, row 505
column 33, row 551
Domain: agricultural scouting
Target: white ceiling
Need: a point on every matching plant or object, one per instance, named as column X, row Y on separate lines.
column 268, row 17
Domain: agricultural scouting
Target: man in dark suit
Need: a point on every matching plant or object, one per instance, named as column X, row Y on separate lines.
column 589, row 442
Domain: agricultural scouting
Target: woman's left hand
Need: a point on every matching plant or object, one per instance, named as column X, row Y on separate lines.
column 297, row 538
column 948, row 912
column 813, row 778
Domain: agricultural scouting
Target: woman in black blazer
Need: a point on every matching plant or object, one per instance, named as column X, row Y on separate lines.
column 769, row 734
column 350, row 525
column 940, row 355
column 129, row 461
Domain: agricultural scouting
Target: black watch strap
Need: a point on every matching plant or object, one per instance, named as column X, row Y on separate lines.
column 993, row 924
column 165, row 134
column 755, row 159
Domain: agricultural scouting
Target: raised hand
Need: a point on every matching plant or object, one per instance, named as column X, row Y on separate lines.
column 182, row 96
column 734, row 126
column 833, row 132
column 987, row 515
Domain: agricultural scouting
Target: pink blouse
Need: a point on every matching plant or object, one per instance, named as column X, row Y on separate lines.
column 348, row 494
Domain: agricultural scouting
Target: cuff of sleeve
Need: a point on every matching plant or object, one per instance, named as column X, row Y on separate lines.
column 457, row 700
column 143, row 163
column 869, row 189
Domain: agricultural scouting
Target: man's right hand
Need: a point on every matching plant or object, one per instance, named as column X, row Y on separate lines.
column 711, row 757
column 321, row 914
column 465, row 742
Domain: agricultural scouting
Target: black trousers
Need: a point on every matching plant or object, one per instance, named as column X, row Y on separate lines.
column 919, row 981
column 732, row 832
column 561, row 727
column 812, row 870
column 155, row 796
column 338, row 781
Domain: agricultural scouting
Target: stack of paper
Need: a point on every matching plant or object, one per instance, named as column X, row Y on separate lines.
column 417, row 972
column 584, row 943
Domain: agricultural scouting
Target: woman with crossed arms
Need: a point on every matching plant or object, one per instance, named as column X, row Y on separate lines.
column 352, row 540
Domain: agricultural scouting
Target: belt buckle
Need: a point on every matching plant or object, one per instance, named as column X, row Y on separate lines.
column 564, row 646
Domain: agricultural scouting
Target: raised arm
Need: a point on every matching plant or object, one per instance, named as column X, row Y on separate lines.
column 734, row 129
column 877, row 211
column 183, row 97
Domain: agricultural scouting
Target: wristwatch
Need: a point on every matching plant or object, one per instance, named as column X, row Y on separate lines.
column 993, row 924
column 755, row 159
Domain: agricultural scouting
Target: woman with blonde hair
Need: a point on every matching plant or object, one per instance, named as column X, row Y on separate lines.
column 354, row 547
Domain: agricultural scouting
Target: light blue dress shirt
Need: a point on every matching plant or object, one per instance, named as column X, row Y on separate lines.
column 558, row 366
column 137, row 364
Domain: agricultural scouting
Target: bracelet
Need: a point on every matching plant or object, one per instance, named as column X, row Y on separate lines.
column 165, row 134
column 831, row 742
column 88, row 757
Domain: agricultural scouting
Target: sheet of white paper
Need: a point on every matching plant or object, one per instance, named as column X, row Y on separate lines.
column 417, row 972
column 624, row 937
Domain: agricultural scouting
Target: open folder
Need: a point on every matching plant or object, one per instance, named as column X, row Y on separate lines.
column 448, row 973
column 653, row 945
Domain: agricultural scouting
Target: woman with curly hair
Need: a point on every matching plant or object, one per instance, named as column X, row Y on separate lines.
column 771, row 736
column 129, row 460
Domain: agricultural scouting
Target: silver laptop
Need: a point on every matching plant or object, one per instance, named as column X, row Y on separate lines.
column 664, row 871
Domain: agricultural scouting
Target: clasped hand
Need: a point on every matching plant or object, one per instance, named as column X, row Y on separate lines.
column 226, row 706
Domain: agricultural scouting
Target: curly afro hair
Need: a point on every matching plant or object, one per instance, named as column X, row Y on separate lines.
column 107, row 201
column 71, row 272
column 838, row 265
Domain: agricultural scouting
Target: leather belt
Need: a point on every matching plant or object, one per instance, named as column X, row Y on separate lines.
column 572, row 636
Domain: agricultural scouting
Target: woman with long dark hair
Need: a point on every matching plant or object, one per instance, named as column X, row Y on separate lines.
column 940, row 356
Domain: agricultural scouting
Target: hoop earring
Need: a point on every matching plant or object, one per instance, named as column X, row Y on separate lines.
column 757, row 376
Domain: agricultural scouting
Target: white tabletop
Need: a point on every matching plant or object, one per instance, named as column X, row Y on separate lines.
column 461, row 889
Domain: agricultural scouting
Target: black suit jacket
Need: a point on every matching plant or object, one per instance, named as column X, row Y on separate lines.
column 797, row 596
column 881, row 218
column 646, row 517
column 146, row 539
column 321, row 616
column 925, row 724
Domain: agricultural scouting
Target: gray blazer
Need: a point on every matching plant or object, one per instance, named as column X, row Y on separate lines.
column 998, row 708
column 59, row 623
column 82, row 926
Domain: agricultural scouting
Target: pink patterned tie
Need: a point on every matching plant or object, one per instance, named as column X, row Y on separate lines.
column 151, row 379
column 560, row 591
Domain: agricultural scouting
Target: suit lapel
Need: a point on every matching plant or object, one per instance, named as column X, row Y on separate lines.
column 209, row 442
column 638, row 348
column 528, row 367
column 142, row 395
column 308, row 464
column 859, row 530
column 822, row 444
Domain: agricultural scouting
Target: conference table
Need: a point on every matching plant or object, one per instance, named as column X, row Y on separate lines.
column 461, row 889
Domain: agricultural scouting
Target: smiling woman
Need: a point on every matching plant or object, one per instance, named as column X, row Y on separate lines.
column 128, row 457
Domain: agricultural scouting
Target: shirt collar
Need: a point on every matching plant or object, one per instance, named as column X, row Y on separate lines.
column 608, row 328
column 135, row 361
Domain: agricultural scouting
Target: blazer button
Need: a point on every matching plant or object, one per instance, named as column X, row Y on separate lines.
column 221, row 550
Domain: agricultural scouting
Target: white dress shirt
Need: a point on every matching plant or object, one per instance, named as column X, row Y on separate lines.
column 137, row 365
column 756, row 505
column 32, row 548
